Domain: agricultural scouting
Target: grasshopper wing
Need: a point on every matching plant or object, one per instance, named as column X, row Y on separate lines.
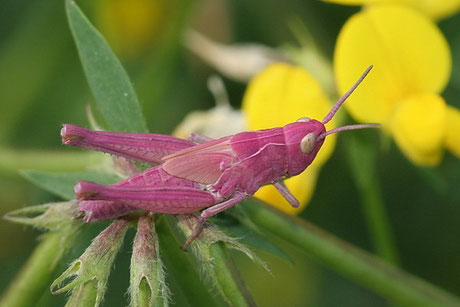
column 202, row 163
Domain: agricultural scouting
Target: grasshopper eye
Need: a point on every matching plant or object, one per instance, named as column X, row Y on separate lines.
column 303, row 120
column 308, row 143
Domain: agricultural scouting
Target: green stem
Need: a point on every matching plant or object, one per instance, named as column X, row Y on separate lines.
column 182, row 275
column 12, row 160
column 358, row 265
column 362, row 157
column 228, row 277
column 377, row 221
column 35, row 277
column 223, row 273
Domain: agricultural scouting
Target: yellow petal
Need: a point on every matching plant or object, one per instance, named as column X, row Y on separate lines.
column 435, row 9
column 409, row 53
column 452, row 141
column 301, row 186
column 438, row 9
column 418, row 126
column 283, row 93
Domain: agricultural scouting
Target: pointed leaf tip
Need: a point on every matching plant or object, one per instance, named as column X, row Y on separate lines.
column 52, row 216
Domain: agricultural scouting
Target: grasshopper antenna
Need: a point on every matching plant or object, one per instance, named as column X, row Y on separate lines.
column 345, row 128
column 342, row 99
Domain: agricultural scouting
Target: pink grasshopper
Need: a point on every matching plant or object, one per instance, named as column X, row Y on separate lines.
column 200, row 173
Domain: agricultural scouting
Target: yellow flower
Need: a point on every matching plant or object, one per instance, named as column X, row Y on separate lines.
column 452, row 140
column 435, row 9
column 279, row 95
column 412, row 66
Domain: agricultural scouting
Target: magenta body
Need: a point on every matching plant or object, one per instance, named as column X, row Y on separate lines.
column 136, row 193
column 212, row 175
column 191, row 177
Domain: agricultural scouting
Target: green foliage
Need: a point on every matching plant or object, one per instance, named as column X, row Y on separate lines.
column 109, row 82
column 61, row 184
column 34, row 78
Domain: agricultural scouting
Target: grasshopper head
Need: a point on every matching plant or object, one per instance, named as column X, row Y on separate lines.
column 303, row 143
column 305, row 137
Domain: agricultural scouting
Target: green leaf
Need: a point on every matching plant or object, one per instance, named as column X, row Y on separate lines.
column 61, row 184
column 109, row 82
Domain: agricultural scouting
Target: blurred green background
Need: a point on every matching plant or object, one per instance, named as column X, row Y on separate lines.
column 42, row 86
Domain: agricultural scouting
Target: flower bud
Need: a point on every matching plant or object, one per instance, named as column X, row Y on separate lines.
column 87, row 276
column 147, row 281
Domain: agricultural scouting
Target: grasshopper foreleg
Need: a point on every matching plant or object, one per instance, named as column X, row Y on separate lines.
column 283, row 189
